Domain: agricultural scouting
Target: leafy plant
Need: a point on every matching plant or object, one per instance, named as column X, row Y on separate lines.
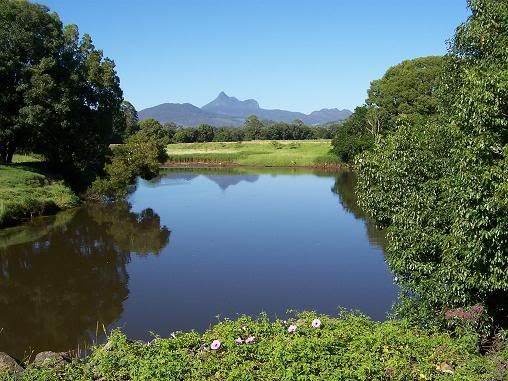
column 306, row 347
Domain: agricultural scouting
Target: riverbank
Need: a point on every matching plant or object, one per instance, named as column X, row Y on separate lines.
column 256, row 153
column 28, row 190
column 305, row 348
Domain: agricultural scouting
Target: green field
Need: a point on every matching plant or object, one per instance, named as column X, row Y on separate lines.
column 27, row 190
column 283, row 153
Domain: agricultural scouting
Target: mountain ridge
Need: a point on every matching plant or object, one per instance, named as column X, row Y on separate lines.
column 229, row 111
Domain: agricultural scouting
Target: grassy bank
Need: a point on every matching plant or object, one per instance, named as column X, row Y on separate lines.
column 27, row 190
column 351, row 347
column 255, row 153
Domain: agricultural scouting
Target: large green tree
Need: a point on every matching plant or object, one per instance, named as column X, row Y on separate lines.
column 441, row 187
column 405, row 95
column 407, row 91
column 59, row 95
column 30, row 40
column 476, row 96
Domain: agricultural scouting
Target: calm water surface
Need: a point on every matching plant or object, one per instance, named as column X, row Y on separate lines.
column 191, row 246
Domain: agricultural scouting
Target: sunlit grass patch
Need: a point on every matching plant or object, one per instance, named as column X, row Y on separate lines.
column 256, row 153
column 26, row 191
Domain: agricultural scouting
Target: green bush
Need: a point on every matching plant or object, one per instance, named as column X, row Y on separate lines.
column 141, row 155
column 351, row 347
column 441, row 187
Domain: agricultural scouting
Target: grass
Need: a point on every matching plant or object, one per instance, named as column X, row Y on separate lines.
column 283, row 153
column 27, row 190
column 348, row 347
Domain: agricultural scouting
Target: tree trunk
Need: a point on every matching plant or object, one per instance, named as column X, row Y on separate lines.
column 7, row 152
column 10, row 154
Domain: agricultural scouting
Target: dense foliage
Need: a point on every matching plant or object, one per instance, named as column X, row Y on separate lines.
column 441, row 187
column 407, row 91
column 126, row 122
column 352, row 137
column 404, row 96
column 140, row 155
column 307, row 347
column 58, row 94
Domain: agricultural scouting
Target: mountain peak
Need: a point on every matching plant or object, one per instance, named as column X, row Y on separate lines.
column 230, row 111
column 226, row 105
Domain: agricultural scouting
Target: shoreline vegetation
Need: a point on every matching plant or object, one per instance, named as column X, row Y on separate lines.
column 429, row 146
column 306, row 347
column 28, row 190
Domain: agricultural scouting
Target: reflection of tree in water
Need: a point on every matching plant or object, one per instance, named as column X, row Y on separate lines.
column 140, row 233
column 56, row 287
column 344, row 187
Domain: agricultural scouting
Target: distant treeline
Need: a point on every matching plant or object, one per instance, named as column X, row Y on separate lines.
column 253, row 129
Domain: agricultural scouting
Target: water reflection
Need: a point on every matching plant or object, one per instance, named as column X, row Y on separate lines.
column 224, row 178
column 242, row 242
column 62, row 275
column 345, row 182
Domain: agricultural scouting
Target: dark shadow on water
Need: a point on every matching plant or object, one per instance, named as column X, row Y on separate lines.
column 62, row 275
column 345, row 182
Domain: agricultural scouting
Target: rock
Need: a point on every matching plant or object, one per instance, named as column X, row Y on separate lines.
column 49, row 358
column 445, row 368
column 8, row 364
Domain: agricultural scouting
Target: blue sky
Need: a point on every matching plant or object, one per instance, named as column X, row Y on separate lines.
column 291, row 54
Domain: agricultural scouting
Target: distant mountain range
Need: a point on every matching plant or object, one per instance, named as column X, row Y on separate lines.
column 229, row 111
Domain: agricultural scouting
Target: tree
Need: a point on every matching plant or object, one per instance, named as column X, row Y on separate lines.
column 405, row 95
column 59, row 95
column 476, row 98
column 185, row 135
column 205, row 133
column 141, row 155
column 352, row 137
column 407, row 89
column 153, row 129
column 441, row 187
column 252, row 127
column 125, row 123
column 31, row 38
column 170, row 128
column 152, row 132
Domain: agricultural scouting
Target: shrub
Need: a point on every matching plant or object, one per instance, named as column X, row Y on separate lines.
column 139, row 156
column 351, row 347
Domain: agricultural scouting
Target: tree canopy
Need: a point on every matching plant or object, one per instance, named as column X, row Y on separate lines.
column 58, row 93
column 407, row 90
column 405, row 95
